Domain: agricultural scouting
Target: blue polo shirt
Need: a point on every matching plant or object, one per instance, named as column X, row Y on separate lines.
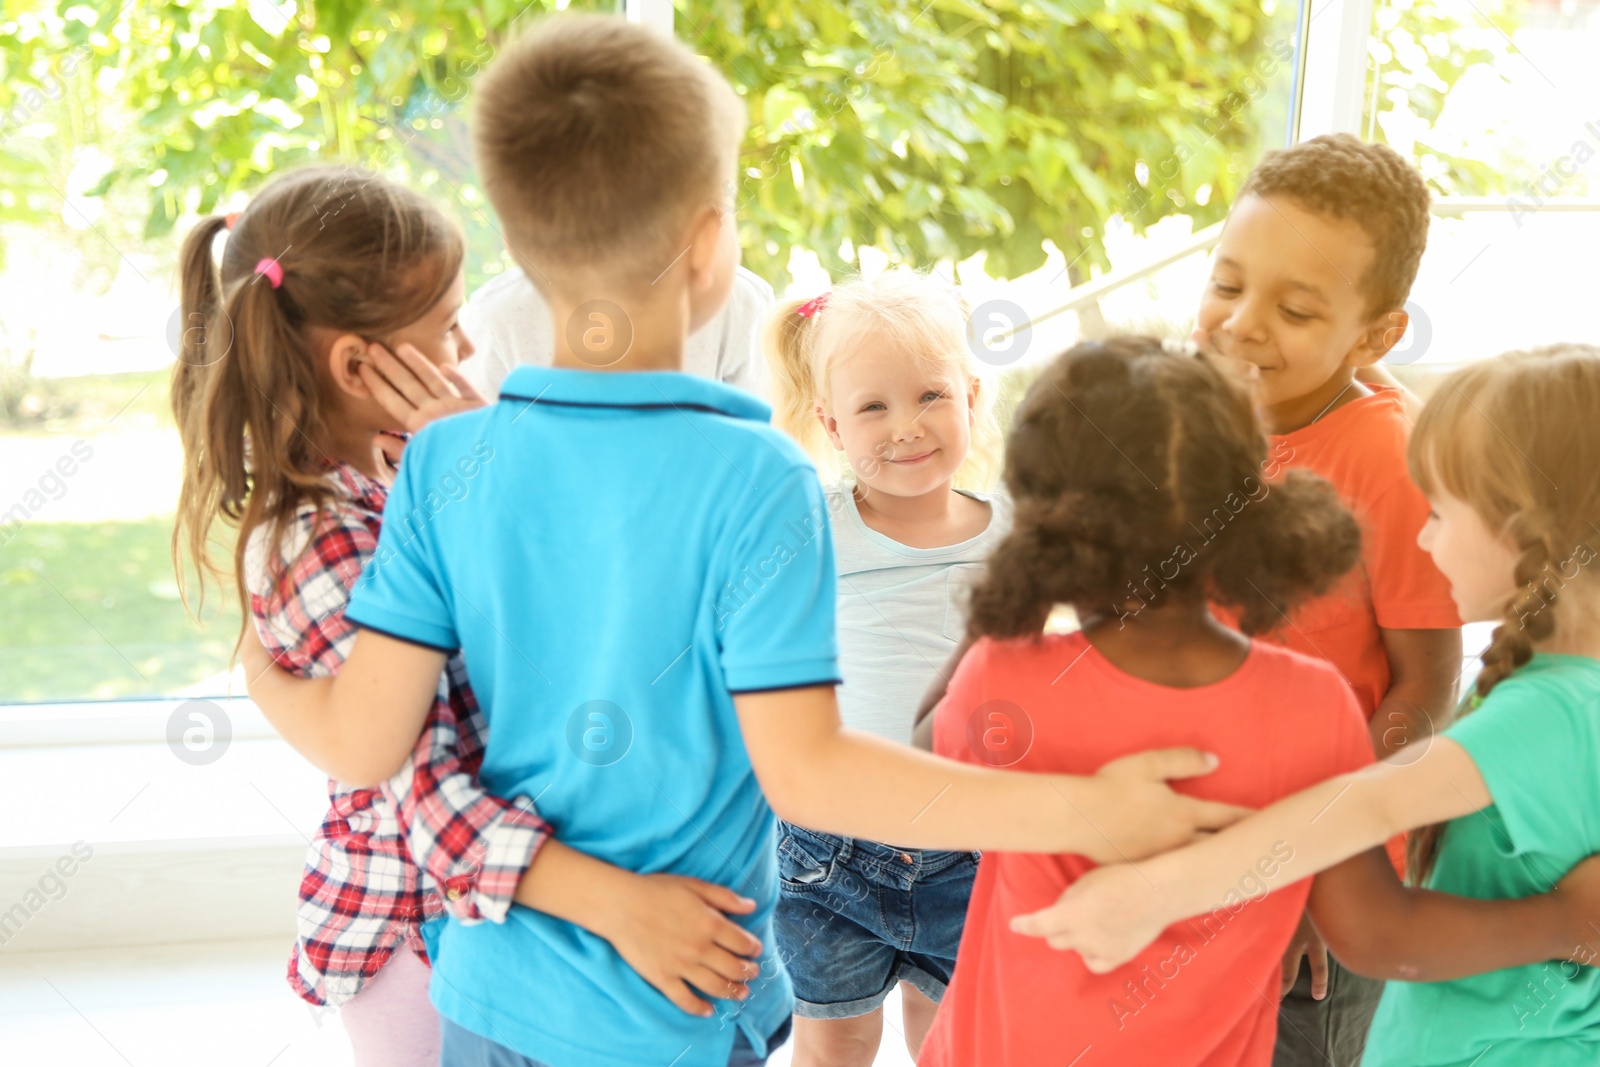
column 616, row 555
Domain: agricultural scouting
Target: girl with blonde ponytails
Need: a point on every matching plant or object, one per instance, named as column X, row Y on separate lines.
column 877, row 382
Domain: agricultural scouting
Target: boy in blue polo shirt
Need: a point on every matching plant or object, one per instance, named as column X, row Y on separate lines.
column 640, row 574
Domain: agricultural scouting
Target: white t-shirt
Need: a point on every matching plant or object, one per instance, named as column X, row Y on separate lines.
column 902, row 611
column 509, row 322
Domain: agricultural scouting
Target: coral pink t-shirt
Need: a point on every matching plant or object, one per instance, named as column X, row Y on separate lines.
column 1206, row 990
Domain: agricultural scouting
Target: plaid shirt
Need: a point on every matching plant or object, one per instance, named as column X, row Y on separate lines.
column 363, row 895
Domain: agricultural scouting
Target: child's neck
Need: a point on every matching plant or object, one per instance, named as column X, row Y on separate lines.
column 931, row 520
column 357, row 447
column 1577, row 629
column 624, row 334
column 1300, row 412
column 1178, row 644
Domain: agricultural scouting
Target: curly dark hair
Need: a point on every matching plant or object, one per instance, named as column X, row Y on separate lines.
column 1370, row 184
column 1137, row 473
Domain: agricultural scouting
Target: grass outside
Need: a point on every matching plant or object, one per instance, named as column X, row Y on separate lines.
column 90, row 611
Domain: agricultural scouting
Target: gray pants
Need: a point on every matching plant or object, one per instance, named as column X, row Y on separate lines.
column 1331, row 1032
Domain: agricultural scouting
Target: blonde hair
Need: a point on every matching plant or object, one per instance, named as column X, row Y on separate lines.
column 598, row 140
column 1516, row 438
column 923, row 315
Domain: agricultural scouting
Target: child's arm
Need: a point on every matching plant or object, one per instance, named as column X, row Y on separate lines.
column 1382, row 929
column 670, row 929
column 1425, row 668
column 820, row 775
column 922, row 726
column 473, row 844
column 1112, row 913
column 358, row 726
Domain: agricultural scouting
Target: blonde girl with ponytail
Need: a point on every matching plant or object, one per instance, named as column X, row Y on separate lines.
column 1491, row 956
column 877, row 382
column 336, row 303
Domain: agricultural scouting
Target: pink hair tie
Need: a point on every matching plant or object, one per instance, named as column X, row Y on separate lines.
column 812, row 306
column 272, row 269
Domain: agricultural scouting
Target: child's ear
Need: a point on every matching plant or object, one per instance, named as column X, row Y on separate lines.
column 1380, row 336
column 830, row 426
column 974, row 386
column 345, row 354
column 705, row 241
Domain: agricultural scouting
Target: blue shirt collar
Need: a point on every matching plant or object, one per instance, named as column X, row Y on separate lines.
column 630, row 389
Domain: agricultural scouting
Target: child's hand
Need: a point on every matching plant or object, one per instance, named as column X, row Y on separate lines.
column 1108, row 917
column 413, row 390
column 673, row 931
column 1139, row 815
column 1308, row 943
column 1579, row 892
column 1242, row 369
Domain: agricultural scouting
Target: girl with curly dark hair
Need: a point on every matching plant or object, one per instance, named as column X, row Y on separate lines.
column 1137, row 472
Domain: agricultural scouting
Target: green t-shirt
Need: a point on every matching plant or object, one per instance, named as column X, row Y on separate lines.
column 1536, row 740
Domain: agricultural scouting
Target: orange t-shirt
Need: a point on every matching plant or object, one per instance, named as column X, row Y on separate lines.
column 1361, row 449
column 1206, row 991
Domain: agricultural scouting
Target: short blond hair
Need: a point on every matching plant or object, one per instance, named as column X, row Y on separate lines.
column 597, row 140
column 925, row 317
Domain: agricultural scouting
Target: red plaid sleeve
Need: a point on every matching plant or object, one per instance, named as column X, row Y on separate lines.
column 475, row 846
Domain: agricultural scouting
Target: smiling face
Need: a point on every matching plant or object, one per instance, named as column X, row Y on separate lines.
column 1480, row 565
column 904, row 423
column 1285, row 294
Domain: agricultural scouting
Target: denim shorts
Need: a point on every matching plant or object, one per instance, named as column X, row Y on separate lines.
column 855, row 917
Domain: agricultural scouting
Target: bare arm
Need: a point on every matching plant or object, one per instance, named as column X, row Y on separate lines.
column 670, row 928
column 1425, row 666
column 359, row 726
column 1382, row 929
column 922, row 727
column 820, row 775
column 1112, row 913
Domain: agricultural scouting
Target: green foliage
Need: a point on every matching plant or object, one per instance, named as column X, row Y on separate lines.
column 929, row 131
column 935, row 131
column 1418, row 50
column 91, row 612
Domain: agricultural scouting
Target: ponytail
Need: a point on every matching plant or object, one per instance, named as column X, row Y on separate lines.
column 252, row 410
column 787, row 342
column 927, row 319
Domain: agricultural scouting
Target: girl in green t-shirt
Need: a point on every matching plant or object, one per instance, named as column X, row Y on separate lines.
column 1491, row 956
